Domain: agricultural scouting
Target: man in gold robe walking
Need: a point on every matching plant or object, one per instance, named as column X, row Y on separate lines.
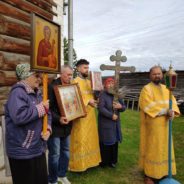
column 155, row 114
column 84, row 145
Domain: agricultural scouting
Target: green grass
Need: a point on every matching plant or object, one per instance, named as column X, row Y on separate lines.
column 127, row 171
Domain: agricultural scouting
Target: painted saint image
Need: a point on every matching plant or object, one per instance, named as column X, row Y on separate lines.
column 46, row 50
column 70, row 100
column 45, row 45
column 96, row 81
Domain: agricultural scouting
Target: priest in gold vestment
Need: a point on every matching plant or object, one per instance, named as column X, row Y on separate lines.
column 155, row 114
column 84, row 145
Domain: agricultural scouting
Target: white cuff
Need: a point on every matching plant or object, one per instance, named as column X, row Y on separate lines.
column 162, row 112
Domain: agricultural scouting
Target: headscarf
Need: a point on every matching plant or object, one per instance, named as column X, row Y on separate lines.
column 23, row 71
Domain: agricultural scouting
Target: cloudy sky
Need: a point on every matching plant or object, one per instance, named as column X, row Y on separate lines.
column 147, row 32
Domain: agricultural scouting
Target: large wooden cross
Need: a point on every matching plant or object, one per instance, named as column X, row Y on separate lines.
column 118, row 58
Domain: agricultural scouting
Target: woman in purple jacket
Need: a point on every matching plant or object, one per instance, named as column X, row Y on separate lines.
column 25, row 142
column 109, row 126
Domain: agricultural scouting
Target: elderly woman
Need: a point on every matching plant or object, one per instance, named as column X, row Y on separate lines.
column 25, row 142
column 109, row 126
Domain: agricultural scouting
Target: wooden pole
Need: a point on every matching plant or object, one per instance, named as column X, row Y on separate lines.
column 45, row 97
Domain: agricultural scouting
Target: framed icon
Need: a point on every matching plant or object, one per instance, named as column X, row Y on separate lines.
column 70, row 101
column 45, row 44
column 96, row 81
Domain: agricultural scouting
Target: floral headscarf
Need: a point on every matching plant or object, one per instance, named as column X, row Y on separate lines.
column 23, row 71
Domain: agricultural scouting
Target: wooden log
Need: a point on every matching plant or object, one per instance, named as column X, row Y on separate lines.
column 51, row 2
column 43, row 5
column 14, row 12
column 15, row 45
column 3, row 97
column 2, row 102
column 15, row 28
column 4, row 65
column 8, row 81
column 30, row 7
column 2, row 78
column 9, row 74
column 4, row 91
column 7, row 78
column 8, row 61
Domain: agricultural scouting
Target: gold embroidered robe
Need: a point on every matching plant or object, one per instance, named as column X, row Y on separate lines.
column 154, row 131
column 84, row 145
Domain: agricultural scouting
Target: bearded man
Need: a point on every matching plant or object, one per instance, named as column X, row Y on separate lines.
column 155, row 114
column 84, row 147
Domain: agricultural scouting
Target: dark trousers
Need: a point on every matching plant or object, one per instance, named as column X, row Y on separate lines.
column 29, row 171
column 109, row 154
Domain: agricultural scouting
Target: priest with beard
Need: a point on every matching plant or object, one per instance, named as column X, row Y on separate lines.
column 84, row 145
column 155, row 115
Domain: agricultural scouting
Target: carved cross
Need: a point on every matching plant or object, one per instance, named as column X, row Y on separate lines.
column 118, row 58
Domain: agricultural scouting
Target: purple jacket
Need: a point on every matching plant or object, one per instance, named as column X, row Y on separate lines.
column 109, row 130
column 24, row 115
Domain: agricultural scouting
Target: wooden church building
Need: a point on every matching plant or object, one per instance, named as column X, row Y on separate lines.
column 16, row 35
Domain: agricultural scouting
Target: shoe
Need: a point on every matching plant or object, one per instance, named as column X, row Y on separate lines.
column 53, row 183
column 112, row 165
column 64, row 180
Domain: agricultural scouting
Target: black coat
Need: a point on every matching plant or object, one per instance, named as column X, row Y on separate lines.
column 109, row 130
column 58, row 130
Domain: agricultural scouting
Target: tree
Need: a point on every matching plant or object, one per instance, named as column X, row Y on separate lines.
column 66, row 57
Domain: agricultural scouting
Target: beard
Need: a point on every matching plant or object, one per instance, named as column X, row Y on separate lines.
column 157, row 81
column 84, row 75
column 110, row 90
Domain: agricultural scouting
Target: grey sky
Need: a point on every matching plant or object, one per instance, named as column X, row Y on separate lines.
column 148, row 32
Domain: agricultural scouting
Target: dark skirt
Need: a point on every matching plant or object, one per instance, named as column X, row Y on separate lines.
column 109, row 154
column 29, row 171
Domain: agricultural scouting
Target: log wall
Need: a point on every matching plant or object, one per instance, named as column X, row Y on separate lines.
column 15, row 36
column 134, row 82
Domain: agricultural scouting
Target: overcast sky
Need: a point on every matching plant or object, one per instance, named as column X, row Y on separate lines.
column 148, row 32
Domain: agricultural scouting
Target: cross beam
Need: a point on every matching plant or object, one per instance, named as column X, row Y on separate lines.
column 118, row 58
column 122, row 68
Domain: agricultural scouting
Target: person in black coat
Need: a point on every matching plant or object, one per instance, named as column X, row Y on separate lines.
column 58, row 143
column 109, row 126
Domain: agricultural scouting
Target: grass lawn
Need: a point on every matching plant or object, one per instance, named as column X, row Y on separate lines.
column 127, row 171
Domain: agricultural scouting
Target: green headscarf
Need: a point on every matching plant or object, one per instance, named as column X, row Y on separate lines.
column 23, row 71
